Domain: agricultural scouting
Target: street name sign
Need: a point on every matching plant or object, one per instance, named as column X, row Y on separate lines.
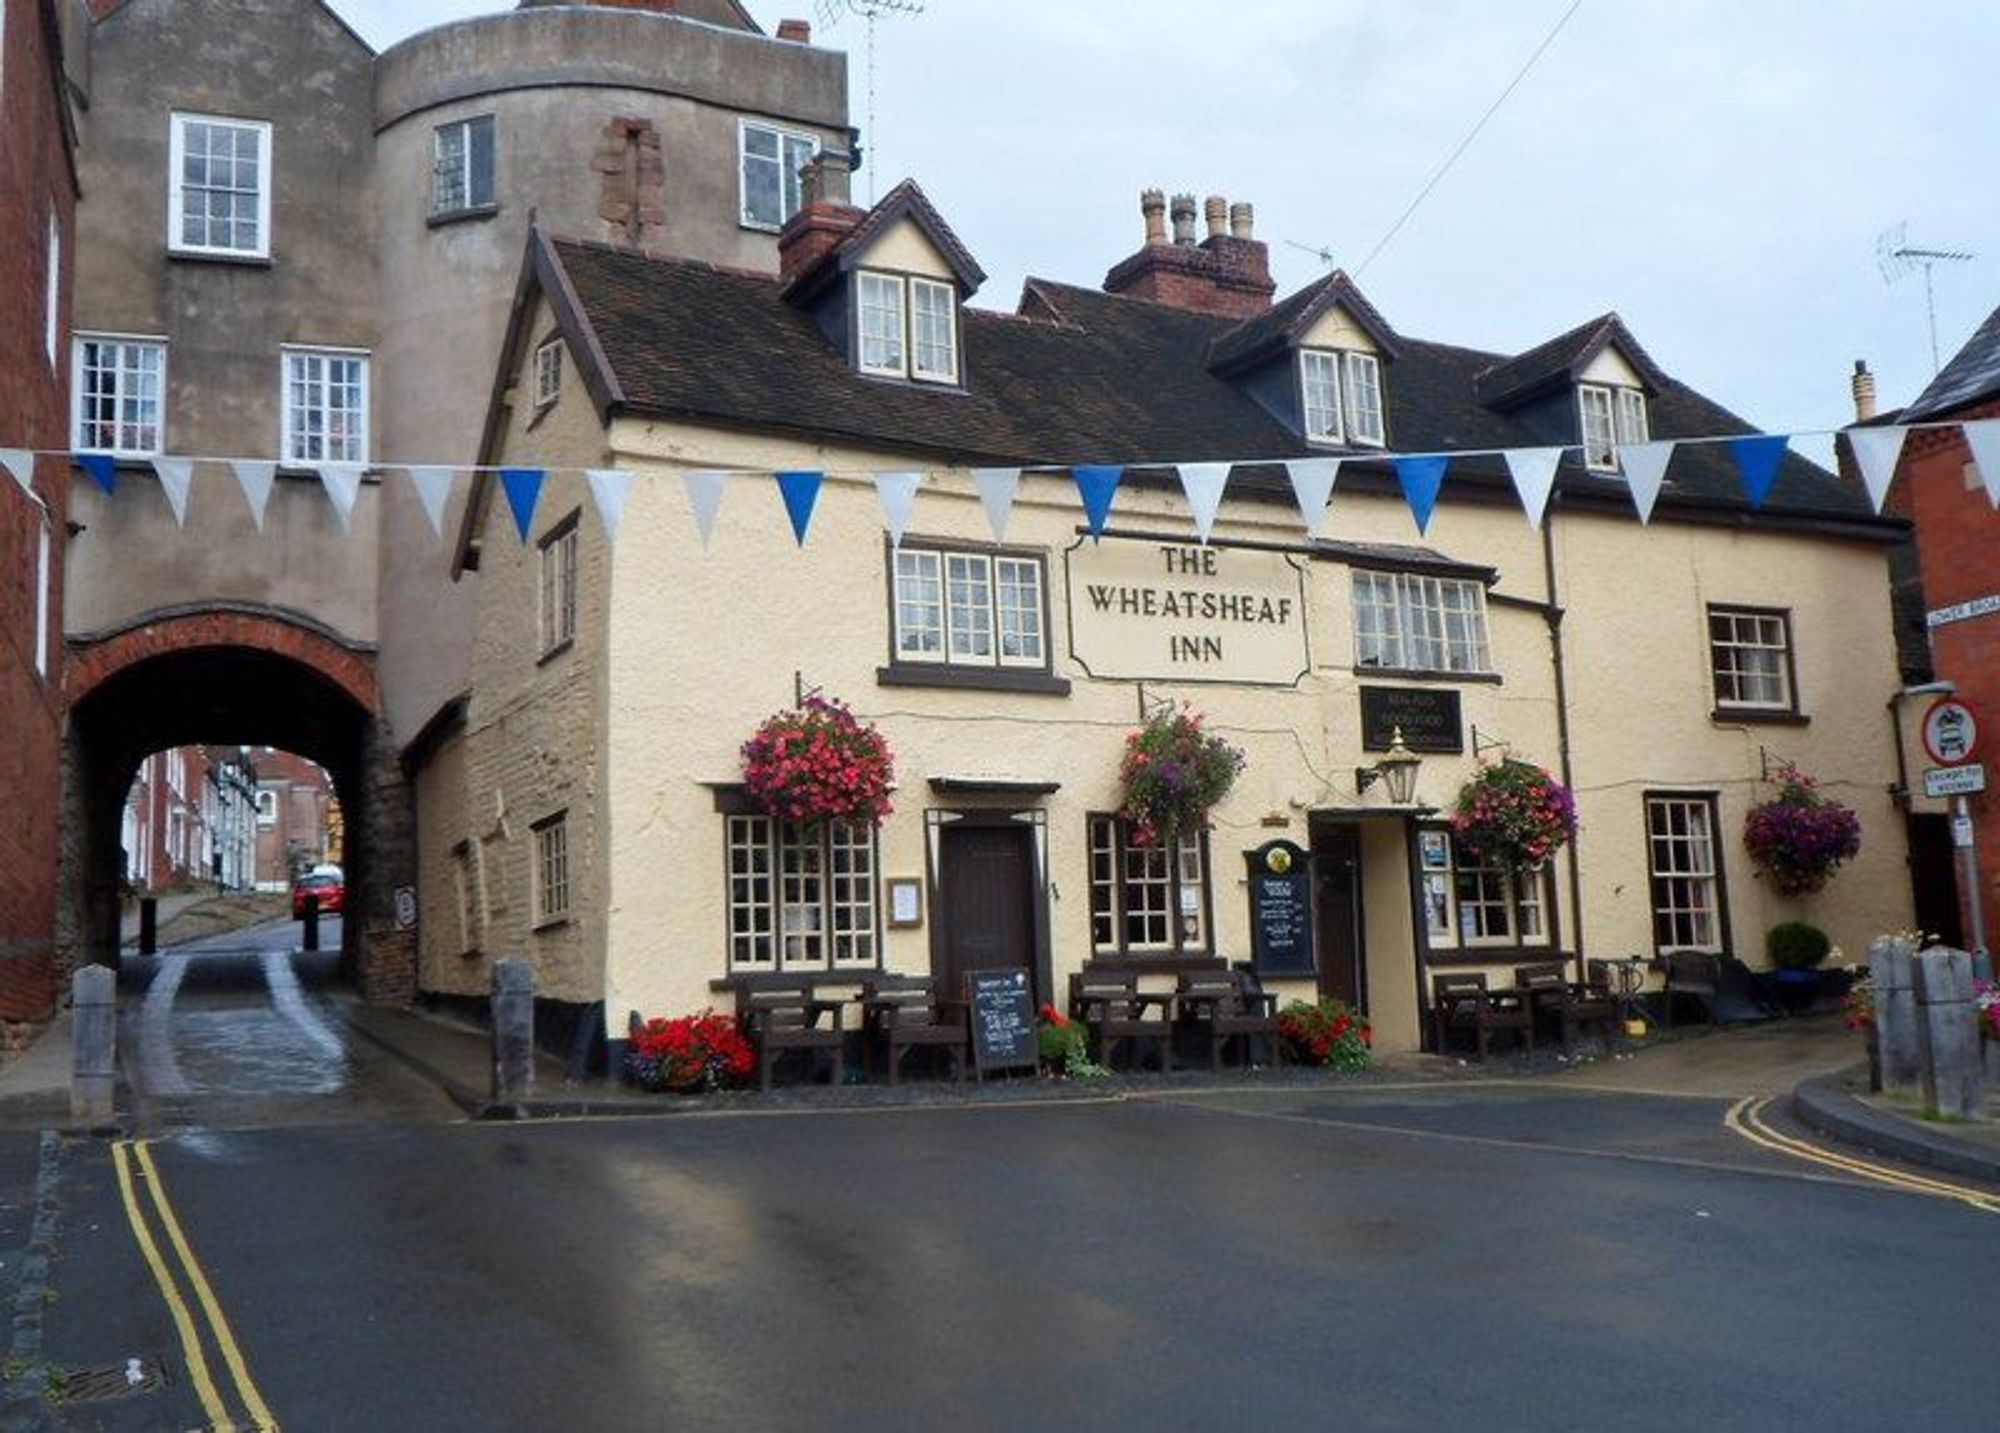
column 1954, row 780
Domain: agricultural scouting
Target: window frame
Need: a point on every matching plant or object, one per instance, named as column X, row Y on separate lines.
column 1405, row 636
column 1737, row 708
column 178, row 121
column 551, row 870
column 777, row 838
column 558, row 585
column 1453, row 944
column 899, row 366
column 123, row 341
column 913, row 345
column 1716, row 876
column 1354, row 361
column 1333, row 432
column 1605, row 461
column 744, row 218
column 287, row 354
column 939, row 666
column 1119, row 949
column 1630, row 420
column 473, row 204
column 548, row 367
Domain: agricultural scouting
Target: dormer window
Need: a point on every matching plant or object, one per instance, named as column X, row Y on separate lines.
column 908, row 327
column 1610, row 416
column 1342, row 396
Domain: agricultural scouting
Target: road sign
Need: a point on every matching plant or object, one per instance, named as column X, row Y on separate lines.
column 406, row 908
column 1951, row 732
column 1954, row 780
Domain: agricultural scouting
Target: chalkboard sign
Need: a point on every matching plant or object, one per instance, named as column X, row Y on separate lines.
column 1003, row 1020
column 1281, row 924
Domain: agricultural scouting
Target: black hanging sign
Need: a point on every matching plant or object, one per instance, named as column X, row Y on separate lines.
column 1003, row 1020
column 1429, row 717
column 1281, row 915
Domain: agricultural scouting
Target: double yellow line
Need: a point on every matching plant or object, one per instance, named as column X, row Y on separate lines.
column 1746, row 1118
column 125, row 1154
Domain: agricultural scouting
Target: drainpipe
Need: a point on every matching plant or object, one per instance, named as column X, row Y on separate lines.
column 1553, row 615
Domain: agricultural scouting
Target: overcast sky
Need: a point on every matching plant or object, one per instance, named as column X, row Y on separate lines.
column 1717, row 171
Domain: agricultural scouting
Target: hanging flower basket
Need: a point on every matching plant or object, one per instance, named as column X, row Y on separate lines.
column 1801, row 837
column 819, row 763
column 1514, row 814
column 1173, row 775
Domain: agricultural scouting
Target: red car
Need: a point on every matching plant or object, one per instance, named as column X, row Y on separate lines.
column 331, row 893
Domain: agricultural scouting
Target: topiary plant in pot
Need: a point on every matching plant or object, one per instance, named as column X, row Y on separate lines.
column 1795, row 949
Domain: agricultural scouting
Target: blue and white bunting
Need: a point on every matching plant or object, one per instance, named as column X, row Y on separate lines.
column 255, row 477
column 1645, row 469
column 103, row 470
column 1422, row 479
column 432, row 487
column 1983, row 437
column 21, row 463
column 1312, row 485
column 609, row 487
column 1203, row 484
column 799, row 487
column 997, row 487
column 1875, row 453
column 1534, row 473
column 1757, row 459
column 897, row 492
column 342, row 482
column 704, row 491
column 176, row 477
column 523, row 487
column 1097, row 484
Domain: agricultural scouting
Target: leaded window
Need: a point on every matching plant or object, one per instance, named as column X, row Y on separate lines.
column 1405, row 621
column 1147, row 899
column 462, row 166
column 801, row 897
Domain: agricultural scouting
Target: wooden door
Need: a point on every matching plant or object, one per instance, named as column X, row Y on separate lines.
column 986, row 902
column 1336, row 854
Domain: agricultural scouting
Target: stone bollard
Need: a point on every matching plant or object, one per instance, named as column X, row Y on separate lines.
column 513, row 1031
column 1889, row 961
column 93, row 1045
column 1950, row 1036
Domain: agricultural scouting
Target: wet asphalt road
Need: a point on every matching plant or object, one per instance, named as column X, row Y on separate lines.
column 1519, row 1256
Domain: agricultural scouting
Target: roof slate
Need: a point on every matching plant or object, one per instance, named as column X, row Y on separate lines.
column 1109, row 378
column 1254, row 339
column 1562, row 360
column 1972, row 374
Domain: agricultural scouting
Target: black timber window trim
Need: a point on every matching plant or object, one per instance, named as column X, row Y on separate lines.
column 1146, row 903
column 798, row 899
column 1752, row 663
column 969, row 615
column 1687, row 884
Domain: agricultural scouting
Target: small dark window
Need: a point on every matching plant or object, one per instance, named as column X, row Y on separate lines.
column 462, row 167
column 1750, row 657
column 1147, row 900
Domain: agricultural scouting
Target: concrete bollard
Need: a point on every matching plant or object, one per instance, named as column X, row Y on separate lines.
column 1945, row 1022
column 149, row 925
column 310, row 935
column 94, row 1045
column 1889, row 961
column 513, row 1030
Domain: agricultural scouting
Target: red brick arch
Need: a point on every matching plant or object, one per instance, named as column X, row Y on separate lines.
column 90, row 665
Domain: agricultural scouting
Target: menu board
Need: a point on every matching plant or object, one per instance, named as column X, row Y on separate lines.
column 1003, row 1020
column 1281, row 926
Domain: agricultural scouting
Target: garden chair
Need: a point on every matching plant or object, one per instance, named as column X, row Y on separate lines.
column 1224, row 1005
column 901, row 1013
column 778, row 1021
column 1553, row 999
column 1114, row 1011
column 1462, row 1002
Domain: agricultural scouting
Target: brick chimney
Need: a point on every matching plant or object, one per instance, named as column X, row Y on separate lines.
column 1864, row 391
column 799, row 32
column 1227, row 273
column 824, row 218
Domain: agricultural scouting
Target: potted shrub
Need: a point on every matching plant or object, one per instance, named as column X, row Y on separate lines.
column 1330, row 1034
column 1795, row 950
column 1065, row 1049
column 689, row 1055
column 1173, row 775
column 1514, row 814
column 819, row 763
column 1800, row 837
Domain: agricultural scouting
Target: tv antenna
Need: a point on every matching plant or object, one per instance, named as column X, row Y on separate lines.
column 1897, row 256
column 1320, row 252
column 830, row 13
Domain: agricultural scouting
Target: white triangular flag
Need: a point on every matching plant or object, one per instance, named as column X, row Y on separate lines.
column 897, row 493
column 254, row 478
column 1203, row 483
column 1312, row 484
column 1534, row 474
column 704, row 490
column 176, row 476
column 1875, row 452
column 343, row 486
column 609, row 486
column 997, row 487
column 1645, row 468
column 1983, row 437
column 433, row 487
column 21, row 463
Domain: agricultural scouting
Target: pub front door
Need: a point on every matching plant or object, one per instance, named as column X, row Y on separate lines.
column 1336, row 859
column 986, row 903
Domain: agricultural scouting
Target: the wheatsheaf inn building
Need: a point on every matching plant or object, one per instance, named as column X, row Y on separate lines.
column 582, row 802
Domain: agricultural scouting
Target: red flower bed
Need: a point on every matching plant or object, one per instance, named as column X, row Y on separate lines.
column 695, row 1052
column 819, row 763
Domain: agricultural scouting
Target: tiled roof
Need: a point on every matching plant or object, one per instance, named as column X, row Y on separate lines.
column 1254, row 339
column 1562, row 360
column 1972, row 374
column 1093, row 377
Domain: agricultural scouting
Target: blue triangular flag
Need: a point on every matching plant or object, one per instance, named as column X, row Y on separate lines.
column 1422, row 479
column 800, row 489
column 102, row 467
column 524, row 490
column 1757, row 459
column 1098, row 484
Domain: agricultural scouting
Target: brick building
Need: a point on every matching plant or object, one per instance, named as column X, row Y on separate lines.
column 37, row 208
column 297, row 824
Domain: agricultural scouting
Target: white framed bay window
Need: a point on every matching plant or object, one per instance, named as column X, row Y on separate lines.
column 219, row 186
column 1406, row 621
column 325, row 405
column 969, row 608
column 801, row 897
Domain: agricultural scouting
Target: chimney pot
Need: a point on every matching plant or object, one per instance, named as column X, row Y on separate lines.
column 798, row 31
column 1216, row 212
column 1242, row 221
column 1153, row 204
column 1183, row 213
column 1864, row 391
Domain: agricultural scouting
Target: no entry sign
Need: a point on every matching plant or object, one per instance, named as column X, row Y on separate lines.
column 1951, row 732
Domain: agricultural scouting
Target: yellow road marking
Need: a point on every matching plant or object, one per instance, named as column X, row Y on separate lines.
column 225, row 1337
column 1745, row 1119
column 197, row 1362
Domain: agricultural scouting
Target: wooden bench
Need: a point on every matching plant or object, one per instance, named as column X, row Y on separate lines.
column 1568, row 1006
column 1113, row 1009
column 1224, row 1005
column 1462, row 1002
column 1691, row 973
column 778, row 1021
column 899, row 1013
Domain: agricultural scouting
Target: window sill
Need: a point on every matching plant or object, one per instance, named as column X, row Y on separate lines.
column 543, row 407
column 461, row 216
column 1754, row 716
column 551, row 923
column 1156, row 964
column 760, row 226
column 979, row 679
column 566, row 645
column 204, row 256
column 778, row 980
column 1421, row 674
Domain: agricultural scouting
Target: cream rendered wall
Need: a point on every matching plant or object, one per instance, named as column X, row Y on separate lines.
column 1610, row 367
column 1394, row 1012
column 1336, row 328
column 904, row 248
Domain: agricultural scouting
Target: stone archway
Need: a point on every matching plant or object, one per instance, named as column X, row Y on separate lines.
column 233, row 674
